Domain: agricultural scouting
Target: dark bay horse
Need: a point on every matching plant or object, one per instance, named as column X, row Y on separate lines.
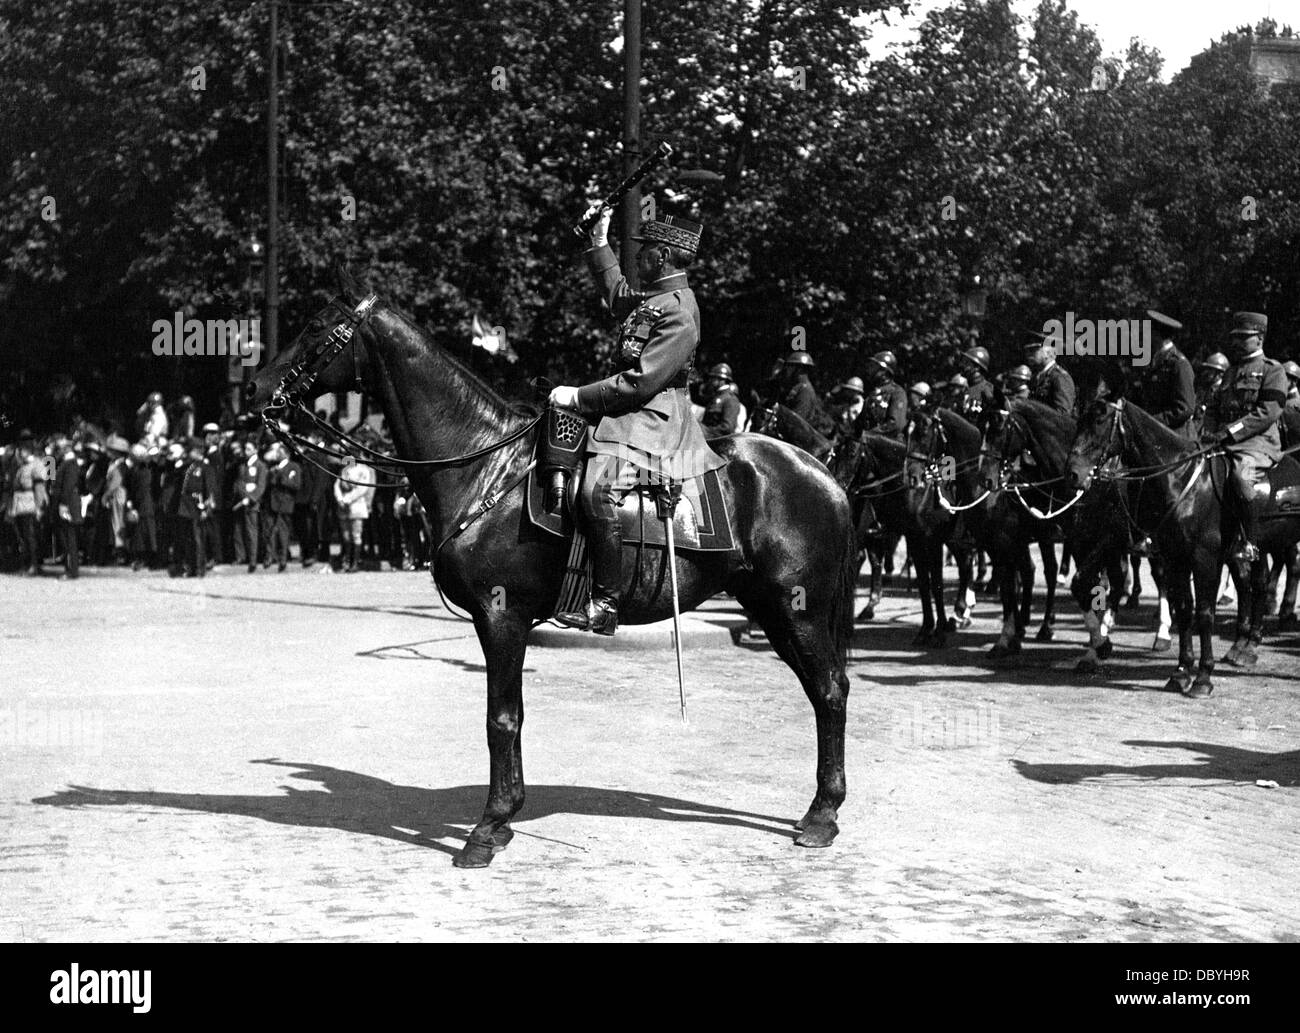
column 914, row 488
column 1019, row 511
column 783, row 423
column 1182, row 507
column 792, row 569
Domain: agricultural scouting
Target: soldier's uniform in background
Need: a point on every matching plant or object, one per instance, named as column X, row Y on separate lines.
column 1290, row 421
column 194, row 508
column 885, row 410
column 1244, row 414
column 722, row 414
column 1054, row 387
column 282, row 485
column 1165, row 388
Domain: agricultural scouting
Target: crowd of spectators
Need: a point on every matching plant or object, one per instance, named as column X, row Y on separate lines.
column 169, row 494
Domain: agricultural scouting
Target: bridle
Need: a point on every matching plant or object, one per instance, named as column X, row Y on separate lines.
column 299, row 378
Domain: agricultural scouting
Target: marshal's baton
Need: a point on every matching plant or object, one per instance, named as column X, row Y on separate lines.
column 656, row 156
column 677, row 617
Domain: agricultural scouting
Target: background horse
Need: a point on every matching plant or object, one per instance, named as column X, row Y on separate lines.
column 1014, row 514
column 1182, row 508
column 792, row 566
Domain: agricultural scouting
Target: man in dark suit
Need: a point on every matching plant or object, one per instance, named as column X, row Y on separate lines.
column 644, row 423
column 194, row 507
column 247, row 491
column 65, row 500
column 139, row 497
column 1052, row 385
column 282, row 484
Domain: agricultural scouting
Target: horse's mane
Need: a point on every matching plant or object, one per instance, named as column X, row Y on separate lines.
column 1050, row 432
column 483, row 400
column 1162, row 436
column 959, row 429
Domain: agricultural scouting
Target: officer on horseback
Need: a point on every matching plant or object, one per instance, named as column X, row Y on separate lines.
column 979, row 389
column 1290, row 421
column 885, row 409
column 1243, row 416
column 1051, row 385
column 644, row 428
column 845, row 404
column 1165, row 387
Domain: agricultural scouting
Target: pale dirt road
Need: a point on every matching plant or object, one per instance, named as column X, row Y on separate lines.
column 297, row 757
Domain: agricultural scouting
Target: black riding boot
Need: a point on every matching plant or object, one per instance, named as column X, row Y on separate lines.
column 605, row 541
column 1248, row 549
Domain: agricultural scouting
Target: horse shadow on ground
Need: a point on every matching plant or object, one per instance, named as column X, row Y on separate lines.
column 1217, row 763
column 365, row 805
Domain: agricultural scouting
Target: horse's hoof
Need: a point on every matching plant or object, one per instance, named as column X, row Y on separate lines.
column 1161, row 645
column 501, row 838
column 997, row 652
column 868, row 613
column 475, row 855
column 818, row 834
column 1086, row 665
column 1248, row 657
column 1288, row 622
column 1233, row 655
column 951, row 624
column 963, row 622
column 1046, row 633
column 1180, row 682
column 1105, row 649
column 1201, row 688
column 1133, row 601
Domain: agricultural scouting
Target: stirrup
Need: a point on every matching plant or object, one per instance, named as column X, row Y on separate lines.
column 1246, row 552
column 600, row 616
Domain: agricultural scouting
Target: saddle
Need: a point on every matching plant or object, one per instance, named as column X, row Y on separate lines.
column 702, row 525
column 1284, row 489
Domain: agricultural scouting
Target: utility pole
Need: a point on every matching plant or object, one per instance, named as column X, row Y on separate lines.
column 631, row 134
column 271, row 329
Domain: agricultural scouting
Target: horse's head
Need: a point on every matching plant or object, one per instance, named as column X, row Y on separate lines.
column 1004, row 440
column 1101, row 437
column 330, row 353
column 845, row 461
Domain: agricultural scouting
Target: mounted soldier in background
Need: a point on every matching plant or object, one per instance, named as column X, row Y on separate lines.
column 1243, row 416
column 845, row 405
column 1052, row 385
column 1209, row 375
column 885, row 409
column 979, row 389
column 724, row 414
column 1165, row 387
column 800, row 397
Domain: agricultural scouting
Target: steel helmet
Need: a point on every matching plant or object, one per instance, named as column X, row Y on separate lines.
column 799, row 358
column 852, row 385
column 1217, row 361
column 921, row 389
column 957, row 380
column 979, row 356
column 1292, row 370
column 886, row 361
column 1019, row 374
column 721, row 372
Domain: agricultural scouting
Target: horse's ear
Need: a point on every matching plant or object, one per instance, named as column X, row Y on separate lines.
column 348, row 285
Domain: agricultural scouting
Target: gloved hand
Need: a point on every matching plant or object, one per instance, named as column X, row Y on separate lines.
column 564, row 397
column 599, row 233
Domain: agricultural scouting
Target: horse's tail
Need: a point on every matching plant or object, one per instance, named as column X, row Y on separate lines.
column 842, row 606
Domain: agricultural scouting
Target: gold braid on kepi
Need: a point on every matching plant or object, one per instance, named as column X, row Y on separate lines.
column 673, row 231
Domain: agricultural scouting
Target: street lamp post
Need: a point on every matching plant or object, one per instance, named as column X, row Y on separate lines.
column 631, row 214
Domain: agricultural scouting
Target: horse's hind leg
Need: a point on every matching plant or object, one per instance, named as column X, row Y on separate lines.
column 503, row 638
column 1206, row 576
column 804, row 640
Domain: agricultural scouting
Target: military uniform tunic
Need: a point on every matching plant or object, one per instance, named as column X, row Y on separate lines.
column 978, row 400
column 722, row 414
column 1244, row 410
column 643, row 411
column 1166, row 390
column 1055, row 388
column 885, row 411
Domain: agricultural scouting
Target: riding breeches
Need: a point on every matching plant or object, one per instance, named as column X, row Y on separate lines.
column 1250, row 473
column 607, row 479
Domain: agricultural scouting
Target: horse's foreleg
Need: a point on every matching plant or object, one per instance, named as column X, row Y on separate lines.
column 1259, row 603
column 921, row 561
column 1007, row 642
column 1179, row 590
column 1286, row 618
column 1025, row 570
column 503, row 639
column 1048, row 550
column 1162, row 642
column 1206, row 580
column 934, row 556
